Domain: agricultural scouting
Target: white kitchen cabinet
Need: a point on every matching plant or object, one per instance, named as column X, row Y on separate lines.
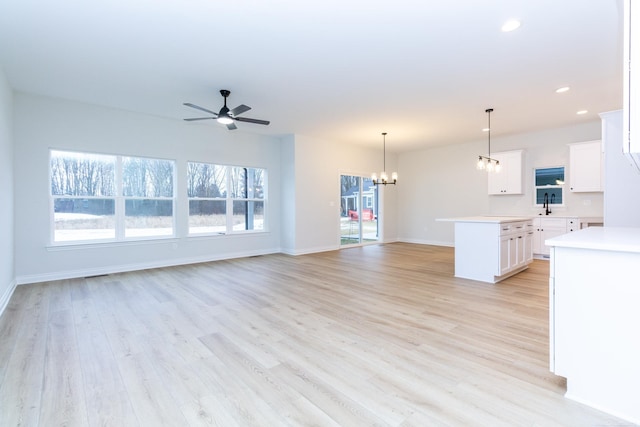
column 545, row 228
column 512, row 250
column 509, row 179
column 573, row 224
column 586, row 167
column 513, row 241
column 631, row 83
column 490, row 249
column 528, row 243
column 506, row 248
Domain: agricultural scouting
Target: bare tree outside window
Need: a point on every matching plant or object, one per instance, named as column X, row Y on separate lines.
column 147, row 185
column 82, row 190
column 224, row 199
column 84, row 199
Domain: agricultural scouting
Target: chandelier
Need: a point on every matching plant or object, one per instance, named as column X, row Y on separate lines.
column 384, row 179
column 486, row 162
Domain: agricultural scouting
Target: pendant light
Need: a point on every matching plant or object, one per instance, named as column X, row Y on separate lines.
column 486, row 162
column 384, row 180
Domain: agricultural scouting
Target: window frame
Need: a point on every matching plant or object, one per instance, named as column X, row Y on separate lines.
column 230, row 200
column 560, row 187
column 119, row 201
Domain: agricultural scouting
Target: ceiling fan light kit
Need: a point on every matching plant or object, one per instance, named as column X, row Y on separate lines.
column 225, row 116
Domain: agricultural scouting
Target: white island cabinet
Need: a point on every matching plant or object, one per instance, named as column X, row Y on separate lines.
column 491, row 248
column 594, row 317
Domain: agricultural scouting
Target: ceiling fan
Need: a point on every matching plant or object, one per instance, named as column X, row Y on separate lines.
column 226, row 116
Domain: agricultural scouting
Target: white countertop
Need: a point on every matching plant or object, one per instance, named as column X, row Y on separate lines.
column 487, row 219
column 618, row 239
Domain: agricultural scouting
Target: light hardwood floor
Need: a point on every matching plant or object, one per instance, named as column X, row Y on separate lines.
column 379, row 335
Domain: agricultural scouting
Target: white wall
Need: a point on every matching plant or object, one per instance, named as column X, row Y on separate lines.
column 288, row 192
column 318, row 166
column 622, row 180
column 43, row 123
column 442, row 182
column 7, row 272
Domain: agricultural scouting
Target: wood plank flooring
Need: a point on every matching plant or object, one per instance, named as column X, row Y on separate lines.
column 371, row 336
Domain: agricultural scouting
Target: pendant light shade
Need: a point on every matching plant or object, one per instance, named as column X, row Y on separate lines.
column 384, row 179
column 486, row 162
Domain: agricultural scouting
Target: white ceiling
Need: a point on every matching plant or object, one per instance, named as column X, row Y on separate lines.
column 423, row 71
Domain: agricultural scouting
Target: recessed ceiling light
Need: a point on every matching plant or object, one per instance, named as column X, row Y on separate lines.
column 510, row 25
column 485, row 130
column 581, row 112
column 563, row 89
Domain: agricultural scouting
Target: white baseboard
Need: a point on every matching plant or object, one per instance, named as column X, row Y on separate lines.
column 310, row 250
column 4, row 298
column 425, row 242
column 111, row 269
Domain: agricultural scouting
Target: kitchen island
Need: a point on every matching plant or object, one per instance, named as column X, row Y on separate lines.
column 594, row 317
column 492, row 248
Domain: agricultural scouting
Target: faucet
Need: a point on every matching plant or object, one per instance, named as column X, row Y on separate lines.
column 545, row 203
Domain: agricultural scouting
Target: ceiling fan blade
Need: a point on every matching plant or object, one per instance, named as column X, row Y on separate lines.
column 232, row 126
column 248, row 120
column 200, row 118
column 188, row 104
column 240, row 109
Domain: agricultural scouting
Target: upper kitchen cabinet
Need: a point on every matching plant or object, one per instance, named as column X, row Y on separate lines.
column 509, row 179
column 585, row 167
column 631, row 83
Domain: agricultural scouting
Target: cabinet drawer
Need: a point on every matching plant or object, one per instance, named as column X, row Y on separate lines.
column 515, row 227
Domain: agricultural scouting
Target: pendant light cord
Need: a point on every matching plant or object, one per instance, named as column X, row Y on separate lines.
column 488, row 111
column 384, row 151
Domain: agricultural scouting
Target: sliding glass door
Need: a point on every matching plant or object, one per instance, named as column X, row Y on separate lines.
column 358, row 210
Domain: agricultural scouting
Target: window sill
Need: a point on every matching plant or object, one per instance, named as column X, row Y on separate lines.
column 90, row 244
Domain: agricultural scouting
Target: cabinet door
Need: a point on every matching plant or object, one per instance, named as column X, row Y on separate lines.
column 548, row 233
column 509, row 179
column 521, row 251
column 585, row 167
column 537, row 237
column 505, row 252
column 573, row 224
column 497, row 181
column 528, row 246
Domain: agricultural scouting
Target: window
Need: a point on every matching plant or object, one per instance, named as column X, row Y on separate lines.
column 97, row 197
column 225, row 199
column 549, row 186
column 147, row 187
